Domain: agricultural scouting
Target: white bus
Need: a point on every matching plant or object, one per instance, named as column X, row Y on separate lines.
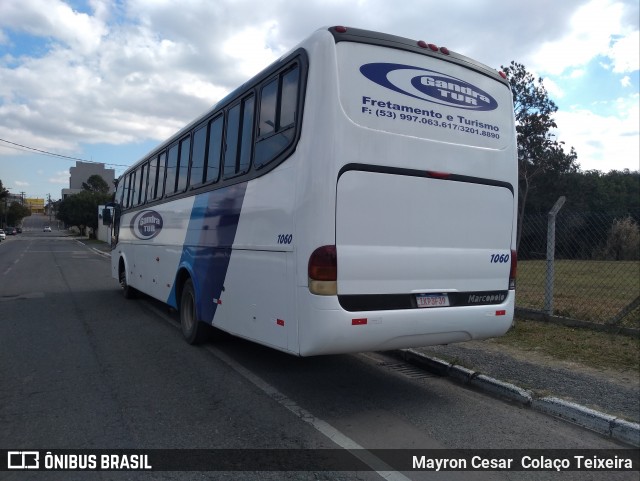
column 357, row 195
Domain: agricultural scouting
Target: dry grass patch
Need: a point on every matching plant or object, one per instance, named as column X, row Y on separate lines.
column 594, row 349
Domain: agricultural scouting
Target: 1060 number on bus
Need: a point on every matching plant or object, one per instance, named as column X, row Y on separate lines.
column 499, row 258
column 285, row 238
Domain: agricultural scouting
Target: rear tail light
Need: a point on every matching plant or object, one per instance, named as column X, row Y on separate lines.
column 323, row 271
column 514, row 268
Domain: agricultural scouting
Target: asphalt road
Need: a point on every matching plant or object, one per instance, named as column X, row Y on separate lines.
column 83, row 368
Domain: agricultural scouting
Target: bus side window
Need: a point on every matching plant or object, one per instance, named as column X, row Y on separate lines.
column 134, row 189
column 126, row 191
column 162, row 162
column 289, row 98
column 246, row 143
column 215, row 149
column 268, row 104
column 237, row 158
column 153, row 179
column 231, row 141
column 198, row 156
column 142, row 191
column 119, row 192
column 278, row 103
column 183, row 164
column 172, row 169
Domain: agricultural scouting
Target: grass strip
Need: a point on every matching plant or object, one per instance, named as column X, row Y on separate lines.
column 594, row 349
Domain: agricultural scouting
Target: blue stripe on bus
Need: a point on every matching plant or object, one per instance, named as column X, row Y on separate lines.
column 208, row 244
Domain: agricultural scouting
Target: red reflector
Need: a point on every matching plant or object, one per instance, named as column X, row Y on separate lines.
column 358, row 322
column 503, row 75
column 341, row 29
column 444, row 50
column 501, row 313
column 438, row 175
column 323, row 264
column 433, row 47
column 422, row 44
column 280, row 322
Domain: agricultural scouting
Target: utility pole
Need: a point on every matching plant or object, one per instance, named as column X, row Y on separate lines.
column 49, row 207
column 6, row 209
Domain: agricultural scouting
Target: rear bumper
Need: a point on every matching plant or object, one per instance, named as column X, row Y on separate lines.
column 326, row 328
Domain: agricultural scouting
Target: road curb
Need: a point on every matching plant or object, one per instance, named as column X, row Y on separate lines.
column 102, row 253
column 605, row 424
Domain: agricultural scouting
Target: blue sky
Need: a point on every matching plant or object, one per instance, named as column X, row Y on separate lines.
column 107, row 80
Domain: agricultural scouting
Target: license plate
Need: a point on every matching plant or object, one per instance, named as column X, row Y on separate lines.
column 432, row 300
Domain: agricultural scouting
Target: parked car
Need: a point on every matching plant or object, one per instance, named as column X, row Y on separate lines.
column 3, row 236
column 19, row 230
column 46, row 229
column 10, row 231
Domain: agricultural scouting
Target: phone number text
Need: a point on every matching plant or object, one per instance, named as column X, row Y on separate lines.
column 450, row 125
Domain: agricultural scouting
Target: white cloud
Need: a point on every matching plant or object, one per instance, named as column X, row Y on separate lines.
column 60, row 177
column 588, row 36
column 250, row 48
column 554, row 90
column 625, row 81
column 625, row 53
column 54, row 19
column 20, row 183
column 603, row 142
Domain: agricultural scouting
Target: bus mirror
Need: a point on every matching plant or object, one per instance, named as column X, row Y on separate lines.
column 106, row 217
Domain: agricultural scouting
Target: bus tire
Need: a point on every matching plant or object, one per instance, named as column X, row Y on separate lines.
column 128, row 291
column 194, row 331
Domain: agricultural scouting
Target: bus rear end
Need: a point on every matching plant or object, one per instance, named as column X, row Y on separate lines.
column 425, row 183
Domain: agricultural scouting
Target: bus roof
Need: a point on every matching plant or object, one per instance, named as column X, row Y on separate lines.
column 349, row 34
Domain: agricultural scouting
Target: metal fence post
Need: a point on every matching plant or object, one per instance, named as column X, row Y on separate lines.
column 551, row 251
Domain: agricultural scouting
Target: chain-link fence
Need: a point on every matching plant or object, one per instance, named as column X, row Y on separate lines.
column 592, row 274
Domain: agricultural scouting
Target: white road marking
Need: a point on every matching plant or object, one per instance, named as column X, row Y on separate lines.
column 323, row 427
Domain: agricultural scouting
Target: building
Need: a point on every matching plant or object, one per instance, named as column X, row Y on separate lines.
column 81, row 173
column 35, row 205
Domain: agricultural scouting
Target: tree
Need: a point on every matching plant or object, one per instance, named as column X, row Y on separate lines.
column 4, row 193
column 538, row 152
column 97, row 184
column 82, row 209
column 16, row 212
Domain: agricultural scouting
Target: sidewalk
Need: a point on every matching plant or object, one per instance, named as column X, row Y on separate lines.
column 604, row 401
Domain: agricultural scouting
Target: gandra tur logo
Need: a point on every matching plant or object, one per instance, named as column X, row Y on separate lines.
column 429, row 85
column 146, row 224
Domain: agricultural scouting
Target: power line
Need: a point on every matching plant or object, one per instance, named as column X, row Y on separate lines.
column 59, row 155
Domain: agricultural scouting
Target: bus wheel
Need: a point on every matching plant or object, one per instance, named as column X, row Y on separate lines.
column 194, row 331
column 128, row 291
